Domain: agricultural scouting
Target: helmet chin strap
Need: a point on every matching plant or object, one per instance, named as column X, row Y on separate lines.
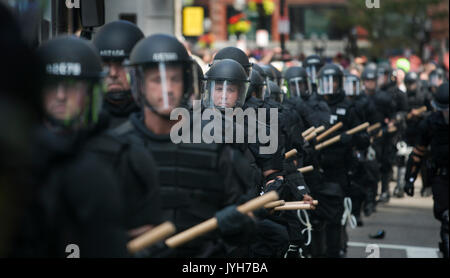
column 117, row 97
column 60, row 126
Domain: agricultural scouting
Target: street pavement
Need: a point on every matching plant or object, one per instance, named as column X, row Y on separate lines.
column 411, row 231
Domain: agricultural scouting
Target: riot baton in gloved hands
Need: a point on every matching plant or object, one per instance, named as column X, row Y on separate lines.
column 338, row 137
column 329, row 131
column 212, row 223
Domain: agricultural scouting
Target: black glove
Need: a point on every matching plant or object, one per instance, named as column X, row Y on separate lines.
column 275, row 185
column 346, row 138
column 409, row 188
column 234, row 226
column 289, row 166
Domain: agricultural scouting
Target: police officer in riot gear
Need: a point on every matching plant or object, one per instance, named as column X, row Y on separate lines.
column 312, row 65
column 313, row 111
column 274, row 92
column 226, row 85
column 257, row 87
column 77, row 200
column 162, row 74
column 435, row 79
column 362, row 179
column 331, row 88
column 433, row 132
column 417, row 97
column 115, row 41
column 386, row 109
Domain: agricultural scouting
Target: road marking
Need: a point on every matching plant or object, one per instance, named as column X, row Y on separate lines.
column 411, row 251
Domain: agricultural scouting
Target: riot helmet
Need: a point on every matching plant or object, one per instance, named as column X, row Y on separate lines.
column 115, row 41
column 369, row 79
column 161, row 73
column 312, row 65
column 72, row 93
column 352, row 85
column 411, row 81
column 235, row 54
column 274, row 92
column 436, row 78
column 330, row 80
column 226, row 85
column 296, row 80
column 440, row 101
column 257, row 86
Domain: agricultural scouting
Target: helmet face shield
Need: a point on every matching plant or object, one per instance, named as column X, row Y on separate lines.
column 298, row 87
column 223, row 94
column 352, row 86
column 159, row 86
column 434, row 80
column 311, row 71
column 382, row 77
column 72, row 103
column 260, row 91
column 328, row 85
column 116, row 83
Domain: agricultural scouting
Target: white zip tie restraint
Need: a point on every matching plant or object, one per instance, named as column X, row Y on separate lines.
column 348, row 216
column 306, row 223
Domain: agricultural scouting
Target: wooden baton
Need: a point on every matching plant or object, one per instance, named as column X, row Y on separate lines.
column 358, row 128
column 306, row 169
column 212, row 224
column 338, row 137
column 420, row 110
column 319, row 129
column 294, row 207
column 329, row 131
column 311, row 136
column 373, row 127
column 154, row 235
column 315, row 203
column 308, row 131
column 290, row 153
column 274, row 204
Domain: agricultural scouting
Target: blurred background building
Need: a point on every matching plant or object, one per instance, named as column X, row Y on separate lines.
column 300, row 27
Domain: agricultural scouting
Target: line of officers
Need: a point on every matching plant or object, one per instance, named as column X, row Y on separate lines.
column 104, row 169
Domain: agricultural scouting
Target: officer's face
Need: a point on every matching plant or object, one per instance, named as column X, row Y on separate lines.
column 65, row 100
column 226, row 98
column 411, row 86
column 164, row 101
column 370, row 85
column 117, row 77
column 294, row 86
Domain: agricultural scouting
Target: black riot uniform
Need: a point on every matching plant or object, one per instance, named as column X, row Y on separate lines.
column 196, row 180
column 312, row 109
column 115, row 41
column 417, row 98
column 77, row 203
column 433, row 132
column 336, row 172
column 366, row 110
column 388, row 101
column 362, row 179
column 19, row 114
